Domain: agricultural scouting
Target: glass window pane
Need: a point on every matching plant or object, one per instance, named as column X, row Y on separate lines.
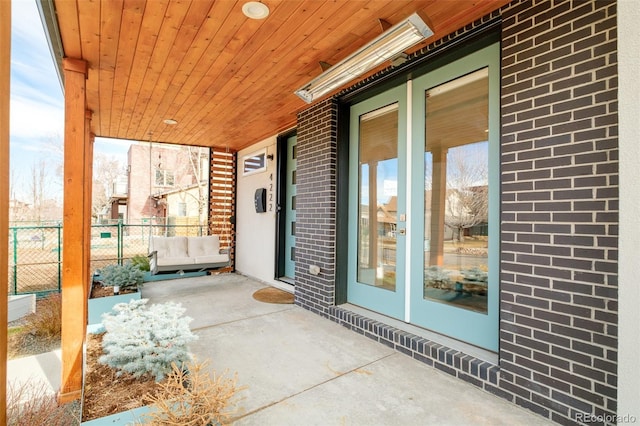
column 254, row 163
column 377, row 194
column 456, row 192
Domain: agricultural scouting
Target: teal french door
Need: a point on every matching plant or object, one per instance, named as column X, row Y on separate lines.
column 290, row 210
column 424, row 200
column 377, row 203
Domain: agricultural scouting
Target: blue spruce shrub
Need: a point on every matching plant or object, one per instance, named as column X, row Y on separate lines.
column 143, row 339
column 125, row 275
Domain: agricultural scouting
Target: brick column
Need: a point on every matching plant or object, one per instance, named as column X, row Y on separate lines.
column 316, row 206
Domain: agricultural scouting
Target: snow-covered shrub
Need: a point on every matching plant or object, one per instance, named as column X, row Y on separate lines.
column 475, row 274
column 143, row 339
column 437, row 277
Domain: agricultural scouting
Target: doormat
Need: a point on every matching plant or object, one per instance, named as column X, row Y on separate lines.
column 273, row 295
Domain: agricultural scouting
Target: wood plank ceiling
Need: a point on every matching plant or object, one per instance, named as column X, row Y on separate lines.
column 227, row 80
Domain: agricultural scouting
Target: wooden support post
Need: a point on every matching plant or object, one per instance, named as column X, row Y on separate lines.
column 75, row 239
column 5, row 73
column 88, row 180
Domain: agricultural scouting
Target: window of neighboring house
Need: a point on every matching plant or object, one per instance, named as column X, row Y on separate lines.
column 255, row 163
column 182, row 209
column 164, row 178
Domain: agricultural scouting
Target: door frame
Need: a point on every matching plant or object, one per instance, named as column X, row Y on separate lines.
column 281, row 196
column 344, row 278
column 384, row 301
column 461, row 324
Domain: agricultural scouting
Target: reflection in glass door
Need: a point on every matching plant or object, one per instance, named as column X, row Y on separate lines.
column 376, row 239
column 377, row 195
column 456, row 147
column 456, row 192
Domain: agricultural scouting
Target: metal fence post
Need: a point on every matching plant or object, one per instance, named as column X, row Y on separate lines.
column 120, row 244
column 15, row 260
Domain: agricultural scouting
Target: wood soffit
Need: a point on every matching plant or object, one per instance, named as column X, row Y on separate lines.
column 227, row 80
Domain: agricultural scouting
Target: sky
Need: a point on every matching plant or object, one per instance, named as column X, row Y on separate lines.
column 37, row 105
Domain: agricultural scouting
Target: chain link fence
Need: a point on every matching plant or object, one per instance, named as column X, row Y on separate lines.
column 35, row 252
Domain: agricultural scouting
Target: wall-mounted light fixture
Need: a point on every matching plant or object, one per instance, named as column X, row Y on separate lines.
column 386, row 46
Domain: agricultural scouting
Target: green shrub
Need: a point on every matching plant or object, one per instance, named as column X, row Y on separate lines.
column 126, row 275
column 143, row 339
column 141, row 261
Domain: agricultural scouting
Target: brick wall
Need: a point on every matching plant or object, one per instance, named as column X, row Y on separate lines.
column 316, row 206
column 558, row 328
column 559, row 207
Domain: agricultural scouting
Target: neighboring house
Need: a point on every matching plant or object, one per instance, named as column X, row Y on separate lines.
column 547, row 89
column 162, row 182
column 117, row 207
column 48, row 210
column 18, row 210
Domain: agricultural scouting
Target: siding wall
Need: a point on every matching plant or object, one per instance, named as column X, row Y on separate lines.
column 558, row 329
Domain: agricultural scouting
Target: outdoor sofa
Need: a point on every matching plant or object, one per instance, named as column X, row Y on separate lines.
column 184, row 254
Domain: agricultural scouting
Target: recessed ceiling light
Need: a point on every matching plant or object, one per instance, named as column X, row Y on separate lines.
column 170, row 121
column 255, row 10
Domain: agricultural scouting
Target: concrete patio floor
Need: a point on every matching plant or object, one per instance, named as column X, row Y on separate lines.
column 302, row 369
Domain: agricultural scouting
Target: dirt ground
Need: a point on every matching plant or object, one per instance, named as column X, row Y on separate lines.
column 104, row 392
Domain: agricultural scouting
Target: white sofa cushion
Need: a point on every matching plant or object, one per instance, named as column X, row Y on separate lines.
column 207, row 245
column 175, row 261
column 213, row 258
column 170, row 247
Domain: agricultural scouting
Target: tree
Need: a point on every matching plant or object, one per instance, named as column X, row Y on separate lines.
column 193, row 170
column 105, row 172
column 198, row 158
column 36, row 187
column 467, row 202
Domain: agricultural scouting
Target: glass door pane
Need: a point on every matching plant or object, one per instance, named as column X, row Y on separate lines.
column 377, row 203
column 456, row 199
column 378, row 198
column 456, row 192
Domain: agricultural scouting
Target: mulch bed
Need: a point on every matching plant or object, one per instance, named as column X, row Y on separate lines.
column 105, row 393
